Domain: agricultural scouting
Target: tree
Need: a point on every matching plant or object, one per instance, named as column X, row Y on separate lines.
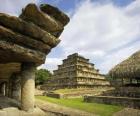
column 41, row 76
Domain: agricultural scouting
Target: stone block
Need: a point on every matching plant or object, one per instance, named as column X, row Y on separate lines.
column 3, row 113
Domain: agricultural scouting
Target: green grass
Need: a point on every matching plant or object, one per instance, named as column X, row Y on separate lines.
column 77, row 103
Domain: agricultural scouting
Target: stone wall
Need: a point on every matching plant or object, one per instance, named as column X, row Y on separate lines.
column 54, row 95
column 123, row 101
column 124, row 92
column 79, row 92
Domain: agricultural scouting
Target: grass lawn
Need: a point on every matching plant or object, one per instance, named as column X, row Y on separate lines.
column 77, row 103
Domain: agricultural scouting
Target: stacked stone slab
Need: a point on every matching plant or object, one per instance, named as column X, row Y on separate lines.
column 76, row 72
column 24, row 43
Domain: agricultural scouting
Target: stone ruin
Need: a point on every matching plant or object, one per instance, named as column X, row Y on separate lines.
column 125, row 78
column 76, row 72
column 24, row 43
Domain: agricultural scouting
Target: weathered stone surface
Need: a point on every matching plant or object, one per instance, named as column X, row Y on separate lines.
column 123, row 101
column 13, row 111
column 124, row 92
column 24, row 44
column 32, row 14
column 6, row 102
column 27, row 86
column 3, row 113
column 29, row 29
column 10, row 36
column 30, row 37
column 16, row 86
column 2, row 89
column 16, row 53
column 55, row 13
column 7, row 69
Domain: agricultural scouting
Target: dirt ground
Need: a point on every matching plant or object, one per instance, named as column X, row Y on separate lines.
column 128, row 112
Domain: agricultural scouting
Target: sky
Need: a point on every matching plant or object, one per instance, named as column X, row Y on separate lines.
column 105, row 31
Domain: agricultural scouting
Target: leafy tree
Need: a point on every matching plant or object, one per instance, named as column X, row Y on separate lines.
column 109, row 78
column 42, row 75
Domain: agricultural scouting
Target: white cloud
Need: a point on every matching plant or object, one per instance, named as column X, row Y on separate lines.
column 104, row 33
column 51, row 63
column 116, row 57
column 14, row 7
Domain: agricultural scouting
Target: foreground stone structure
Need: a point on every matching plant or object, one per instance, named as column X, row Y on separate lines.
column 76, row 72
column 24, row 43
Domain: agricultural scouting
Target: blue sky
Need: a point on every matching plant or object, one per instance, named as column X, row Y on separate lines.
column 66, row 5
column 105, row 31
column 104, row 64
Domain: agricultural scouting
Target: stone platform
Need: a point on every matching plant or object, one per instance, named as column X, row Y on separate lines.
column 123, row 101
column 10, row 107
column 76, row 93
column 13, row 111
column 133, row 92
